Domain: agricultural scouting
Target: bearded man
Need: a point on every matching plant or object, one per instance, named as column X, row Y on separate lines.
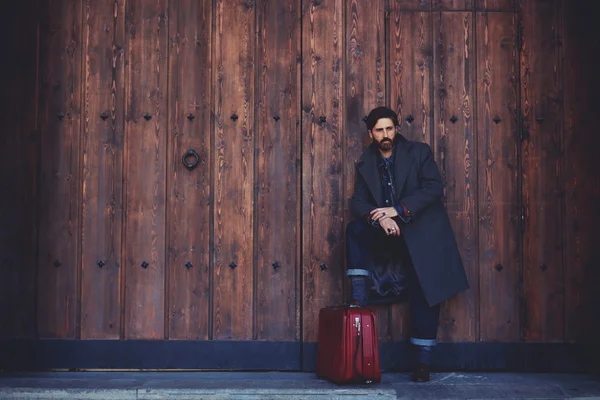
column 397, row 202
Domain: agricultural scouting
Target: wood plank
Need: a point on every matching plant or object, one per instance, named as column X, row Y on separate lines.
column 456, row 155
column 496, row 5
column 411, row 57
column 234, row 169
column 145, row 160
column 453, row 5
column 19, row 156
column 189, row 190
column 277, row 294
column 322, row 170
column 102, row 169
column 60, row 124
column 497, row 169
column 411, row 5
column 542, row 173
column 365, row 90
column 581, row 57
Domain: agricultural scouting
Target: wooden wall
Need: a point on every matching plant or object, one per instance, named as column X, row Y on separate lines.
column 105, row 234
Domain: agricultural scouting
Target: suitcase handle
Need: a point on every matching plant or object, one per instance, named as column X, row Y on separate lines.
column 360, row 338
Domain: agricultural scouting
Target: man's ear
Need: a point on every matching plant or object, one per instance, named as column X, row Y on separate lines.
column 370, row 134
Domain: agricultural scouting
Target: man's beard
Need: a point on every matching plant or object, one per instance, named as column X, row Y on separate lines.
column 386, row 144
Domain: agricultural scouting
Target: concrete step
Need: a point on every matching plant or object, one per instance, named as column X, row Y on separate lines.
column 197, row 394
column 292, row 385
column 183, row 385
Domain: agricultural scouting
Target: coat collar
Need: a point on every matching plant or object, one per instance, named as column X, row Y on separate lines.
column 370, row 160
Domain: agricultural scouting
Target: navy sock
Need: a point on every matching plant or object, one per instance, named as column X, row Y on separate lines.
column 423, row 354
column 359, row 289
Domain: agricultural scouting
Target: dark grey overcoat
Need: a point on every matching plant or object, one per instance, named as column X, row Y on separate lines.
column 428, row 234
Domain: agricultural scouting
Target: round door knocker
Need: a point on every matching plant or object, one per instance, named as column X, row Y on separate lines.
column 194, row 163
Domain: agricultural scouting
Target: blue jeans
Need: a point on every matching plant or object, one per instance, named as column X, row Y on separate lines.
column 363, row 241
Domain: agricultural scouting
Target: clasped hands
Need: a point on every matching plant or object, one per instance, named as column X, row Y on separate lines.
column 385, row 217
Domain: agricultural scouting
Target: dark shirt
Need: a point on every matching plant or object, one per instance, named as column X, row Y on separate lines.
column 386, row 173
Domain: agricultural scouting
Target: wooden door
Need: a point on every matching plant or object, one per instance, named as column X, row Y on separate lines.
column 192, row 163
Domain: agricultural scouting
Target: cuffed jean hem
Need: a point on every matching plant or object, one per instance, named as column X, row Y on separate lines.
column 357, row 272
column 423, row 342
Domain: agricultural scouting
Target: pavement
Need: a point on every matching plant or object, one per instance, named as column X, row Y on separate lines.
column 291, row 385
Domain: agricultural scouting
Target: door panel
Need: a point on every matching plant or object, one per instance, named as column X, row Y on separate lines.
column 542, row 173
column 499, row 213
column 60, row 179
column 277, row 289
column 145, row 169
column 233, row 169
column 322, row 152
column 365, row 89
column 410, row 62
column 456, row 155
column 102, row 170
column 189, row 189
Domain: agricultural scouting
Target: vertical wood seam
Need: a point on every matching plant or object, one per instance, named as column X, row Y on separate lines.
column 518, row 18
column 79, row 187
column 300, row 192
column 475, row 135
column 387, row 98
column 124, row 168
column 166, row 312
column 38, row 169
column 343, row 137
column 257, row 48
column 123, row 175
column 386, row 49
column 211, row 217
column 560, row 54
column 476, row 234
column 431, row 80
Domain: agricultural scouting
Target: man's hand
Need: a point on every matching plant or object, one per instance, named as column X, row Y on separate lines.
column 390, row 227
column 380, row 213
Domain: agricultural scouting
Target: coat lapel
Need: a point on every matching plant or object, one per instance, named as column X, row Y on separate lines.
column 368, row 169
column 402, row 165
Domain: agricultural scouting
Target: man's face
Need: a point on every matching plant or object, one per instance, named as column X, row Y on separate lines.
column 384, row 134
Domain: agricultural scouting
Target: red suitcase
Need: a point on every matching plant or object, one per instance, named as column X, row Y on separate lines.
column 347, row 348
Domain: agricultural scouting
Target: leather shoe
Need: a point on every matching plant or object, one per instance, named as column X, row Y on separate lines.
column 421, row 373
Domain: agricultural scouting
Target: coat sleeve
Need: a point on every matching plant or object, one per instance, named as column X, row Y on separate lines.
column 360, row 204
column 430, row 184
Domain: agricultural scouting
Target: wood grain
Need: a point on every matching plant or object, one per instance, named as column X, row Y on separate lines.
column 234, row 169
column 497, row 169
column 322, row 168
column 580, row 58
column 453, row 5
column 278, row 220
column 102, row 168
column 411, row 5
column 145, row 175
column 497, row 5
column 19, row 157
column 189, row 190
column 410, row 63
column 411, row 57
column 456, row 155
column 542, row 173
column 365, row 89
column 188, row 206
column 60, row 124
